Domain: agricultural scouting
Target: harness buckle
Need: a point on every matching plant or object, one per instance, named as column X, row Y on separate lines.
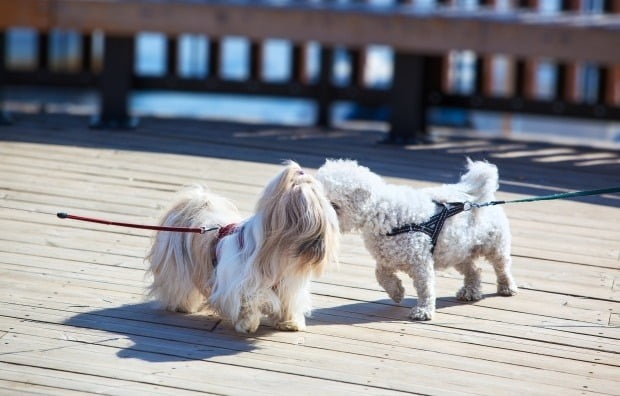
column 204, row 230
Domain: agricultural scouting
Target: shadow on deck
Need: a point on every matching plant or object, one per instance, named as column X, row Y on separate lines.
column 526, row 167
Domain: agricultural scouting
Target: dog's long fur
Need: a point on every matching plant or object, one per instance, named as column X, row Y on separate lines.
column 366, row 203
column 266, row 270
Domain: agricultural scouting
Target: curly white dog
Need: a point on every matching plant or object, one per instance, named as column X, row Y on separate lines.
column 247, row 268
column 364, row 202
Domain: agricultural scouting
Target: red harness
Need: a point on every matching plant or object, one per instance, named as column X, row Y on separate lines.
column 224, row 231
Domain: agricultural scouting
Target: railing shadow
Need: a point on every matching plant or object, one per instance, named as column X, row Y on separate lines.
column 531, row 168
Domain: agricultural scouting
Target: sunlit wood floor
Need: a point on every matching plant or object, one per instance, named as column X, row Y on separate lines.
column 74, row 320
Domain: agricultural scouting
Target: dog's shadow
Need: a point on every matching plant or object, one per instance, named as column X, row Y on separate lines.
column 141, row 331
column 384, row 310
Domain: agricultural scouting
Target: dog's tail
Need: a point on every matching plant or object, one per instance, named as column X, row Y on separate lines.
column 181, row 262
column 481, row 180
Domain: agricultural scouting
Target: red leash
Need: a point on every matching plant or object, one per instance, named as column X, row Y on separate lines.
column 200, row 230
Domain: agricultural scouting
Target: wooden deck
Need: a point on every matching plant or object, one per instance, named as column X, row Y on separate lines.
column 73, row 318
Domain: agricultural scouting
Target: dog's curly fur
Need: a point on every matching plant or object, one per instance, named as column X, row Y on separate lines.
column 264, row 268
column 365, row 202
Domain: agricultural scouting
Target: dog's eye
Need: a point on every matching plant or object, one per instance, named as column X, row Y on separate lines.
column 335, row 206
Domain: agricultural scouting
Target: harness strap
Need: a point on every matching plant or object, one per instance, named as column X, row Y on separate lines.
column 434, row 225
column 224, row 231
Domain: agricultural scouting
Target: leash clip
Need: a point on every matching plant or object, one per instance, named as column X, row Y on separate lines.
column 204, row 230
column 467, row 206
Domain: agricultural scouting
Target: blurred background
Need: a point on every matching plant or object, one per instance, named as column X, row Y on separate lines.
column 65, row 53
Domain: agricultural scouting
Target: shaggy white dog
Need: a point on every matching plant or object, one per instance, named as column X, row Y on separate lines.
column 364, row 202
column 245, row 269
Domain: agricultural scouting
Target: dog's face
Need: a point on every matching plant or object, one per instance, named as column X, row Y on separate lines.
column 298, row 219
column 349, row 188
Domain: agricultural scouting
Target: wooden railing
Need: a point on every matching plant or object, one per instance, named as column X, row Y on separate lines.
column 421, row 40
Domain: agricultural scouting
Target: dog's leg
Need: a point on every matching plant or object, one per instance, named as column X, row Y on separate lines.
column 471, row 283
column 185, row 299
column 188, row 304
column 423, row 275
column 294, row 322
column 387, row 278
column 249, row 319
column 506, row 285
column 295, row 301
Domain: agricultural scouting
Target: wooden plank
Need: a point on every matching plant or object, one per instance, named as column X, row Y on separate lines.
column 371, row 330
column 393, row 354
column 27, row 378
column 25, row 388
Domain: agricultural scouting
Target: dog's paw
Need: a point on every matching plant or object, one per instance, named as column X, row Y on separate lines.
column 247, row 325
column 507, row 290
column 421, row 313
column 290, row 325
column 468, row 294
column 184, row 309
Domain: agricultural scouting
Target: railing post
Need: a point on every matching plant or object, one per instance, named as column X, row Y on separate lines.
column 4, row 116
column 87, row 52
column 43, row 48
column 115, row 83
column 214, row 63
column 323, row 117
column 172, row 57
column 566, row 74
column 299, row 74
column 414, row 78
column 256, row 62
column 611, row 90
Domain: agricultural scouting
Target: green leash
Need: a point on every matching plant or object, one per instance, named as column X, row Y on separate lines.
column 546, row 197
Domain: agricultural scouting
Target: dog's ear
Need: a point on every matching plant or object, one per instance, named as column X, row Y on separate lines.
column 360, row 195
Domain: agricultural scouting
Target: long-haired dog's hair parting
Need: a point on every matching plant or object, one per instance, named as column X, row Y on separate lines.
column 248, row 268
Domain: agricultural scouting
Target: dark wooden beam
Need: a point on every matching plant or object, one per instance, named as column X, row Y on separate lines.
column 4, row 116
column 324, row 99
column 215, row 57
column 172, row 56
column 115, row 83
column 572, row 37
column 408, row 104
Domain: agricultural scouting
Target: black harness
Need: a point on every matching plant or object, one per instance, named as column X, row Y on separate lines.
column 433, row 226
